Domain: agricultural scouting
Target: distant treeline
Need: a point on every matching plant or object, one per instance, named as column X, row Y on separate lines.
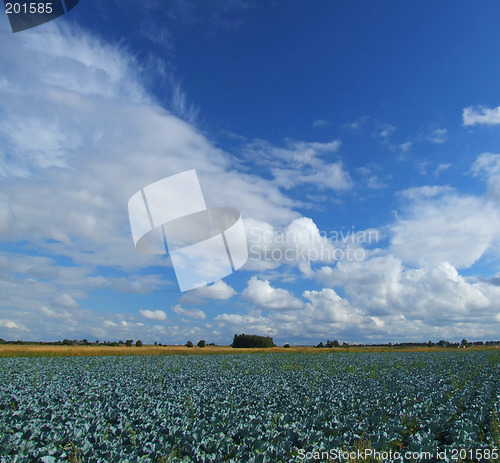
column 441, row 343
column 74, row 342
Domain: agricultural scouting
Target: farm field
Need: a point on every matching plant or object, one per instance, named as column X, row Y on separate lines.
column 249, row 408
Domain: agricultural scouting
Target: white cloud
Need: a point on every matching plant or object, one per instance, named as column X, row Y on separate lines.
column 153, row 314
column 327, row 306
column 219, row 290
column 261, row 292
column 440, row 225
column 9, row 324
column 480, row 115
column 191, row 313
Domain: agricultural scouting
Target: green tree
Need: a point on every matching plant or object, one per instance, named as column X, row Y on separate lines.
column 201, row 343
column 138, row 343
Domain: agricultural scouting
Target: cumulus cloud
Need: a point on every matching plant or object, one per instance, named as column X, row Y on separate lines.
column 153, row 314
column 412, row 290
column 261, row 292
column 428, row 301
column 480, row 115
column 301, row 244
column 327, row 306
column 441, row 225
column 326, row 314
column 219, row 290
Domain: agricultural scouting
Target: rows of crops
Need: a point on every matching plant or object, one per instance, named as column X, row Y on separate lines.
column 249, row 408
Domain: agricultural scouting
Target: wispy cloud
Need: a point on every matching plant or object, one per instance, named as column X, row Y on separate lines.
column 300, row 163
column 371, row 174
column 356, row 125
column 191, row 313
column 437, row 136
column 405, row 147
column 384, row 131
column 441, row 168
column 320, row 123
column 180, row 107
column 71, row 158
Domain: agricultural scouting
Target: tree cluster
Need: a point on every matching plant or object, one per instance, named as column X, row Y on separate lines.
column 251, row 340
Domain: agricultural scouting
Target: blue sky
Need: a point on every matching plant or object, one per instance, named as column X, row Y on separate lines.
column 324, row 119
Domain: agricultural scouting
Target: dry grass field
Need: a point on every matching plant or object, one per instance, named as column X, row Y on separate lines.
column 38, row 350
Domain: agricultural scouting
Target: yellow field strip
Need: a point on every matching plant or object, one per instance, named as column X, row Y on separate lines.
column 36, row 350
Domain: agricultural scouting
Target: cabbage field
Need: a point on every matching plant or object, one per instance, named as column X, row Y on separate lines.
column 250, row 408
